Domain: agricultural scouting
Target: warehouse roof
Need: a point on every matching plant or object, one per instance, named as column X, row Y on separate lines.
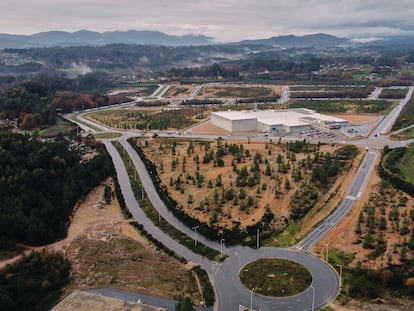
column 289, row 117
column 235, row 115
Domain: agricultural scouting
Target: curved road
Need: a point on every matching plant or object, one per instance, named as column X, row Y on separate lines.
column 230, row 293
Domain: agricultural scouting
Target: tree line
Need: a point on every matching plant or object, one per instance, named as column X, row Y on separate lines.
column 33, row 282
column 34, row 102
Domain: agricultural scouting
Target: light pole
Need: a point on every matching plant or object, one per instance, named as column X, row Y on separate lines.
column 313, row 297
column 258, row 242
column 340, row 272
column 251, row 299
column 327, row 253
column 195, row 235
column 221, row 247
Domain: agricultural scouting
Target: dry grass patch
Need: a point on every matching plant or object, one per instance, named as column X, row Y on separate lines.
column 210, row 188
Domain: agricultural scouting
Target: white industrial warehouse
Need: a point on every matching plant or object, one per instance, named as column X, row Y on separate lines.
column 275, row 121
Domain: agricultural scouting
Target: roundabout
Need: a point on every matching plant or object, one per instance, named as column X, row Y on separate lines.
column 324, row 284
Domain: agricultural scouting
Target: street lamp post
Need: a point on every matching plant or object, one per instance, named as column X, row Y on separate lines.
column 313, row 297
column 340, row 271
column 251, row 299
column 195, row 235
column 327, row 253
column 258, row 242
column 221, row 247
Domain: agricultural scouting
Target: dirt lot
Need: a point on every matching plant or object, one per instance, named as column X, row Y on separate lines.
column 99, row 237
column 179, row 91
column 354, row 119
column 234, row 91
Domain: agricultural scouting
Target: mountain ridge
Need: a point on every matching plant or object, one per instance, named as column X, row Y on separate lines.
column 86, row 37
column 148, row 37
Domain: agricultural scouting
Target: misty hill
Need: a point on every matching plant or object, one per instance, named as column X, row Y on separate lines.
column 85, row 37
column 314, row 40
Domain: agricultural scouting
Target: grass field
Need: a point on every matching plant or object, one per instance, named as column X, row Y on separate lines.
column 406, row 164
column 236, row 91
column 276, row 277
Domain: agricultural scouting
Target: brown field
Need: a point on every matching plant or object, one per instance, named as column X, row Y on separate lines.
column 179, row 91
column 219, row 90
column 357, row 118
column 99, row 236
column 160, row 152
column 344, row 236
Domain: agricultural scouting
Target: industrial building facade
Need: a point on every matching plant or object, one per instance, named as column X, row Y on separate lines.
column 275, row 121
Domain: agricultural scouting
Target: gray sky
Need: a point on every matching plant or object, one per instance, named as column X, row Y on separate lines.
column 224, row 20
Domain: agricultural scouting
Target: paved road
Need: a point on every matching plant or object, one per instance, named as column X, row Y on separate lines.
column 284, row 95
column 376, row 93
column 194, row 93
column 385, row 126
column 229, row 291
column 232, row 293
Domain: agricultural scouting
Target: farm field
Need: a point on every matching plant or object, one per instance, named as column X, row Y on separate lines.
column 239, row 91
column 351, row 106
column 235, row 185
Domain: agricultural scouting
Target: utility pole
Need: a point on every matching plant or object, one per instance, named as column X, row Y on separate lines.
column 313, row 297
column 340, row 272
column 221, row 247
column 257, row 242
column 195, row 235
column 251, row 299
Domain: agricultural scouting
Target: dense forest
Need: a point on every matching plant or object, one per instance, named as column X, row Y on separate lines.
column 33, row 282
column 40, row 183
column 34, row 102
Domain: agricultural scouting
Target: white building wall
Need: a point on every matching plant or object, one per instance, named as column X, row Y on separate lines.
column 246, row 125
column 222, row 122
column 300, row 128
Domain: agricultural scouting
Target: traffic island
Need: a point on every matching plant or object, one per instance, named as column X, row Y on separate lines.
column 275, row 277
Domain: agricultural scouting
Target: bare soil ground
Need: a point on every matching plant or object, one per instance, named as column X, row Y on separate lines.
column 341, row 186
column 344, row 238
column 220, row 89
column 179, row 91
column 357, row 118
column 106, row 251
column 160, row 152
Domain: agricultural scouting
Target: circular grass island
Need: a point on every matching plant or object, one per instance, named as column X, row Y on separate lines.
column 275, row 277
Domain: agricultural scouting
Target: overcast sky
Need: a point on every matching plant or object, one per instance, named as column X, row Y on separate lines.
column 224, row 20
